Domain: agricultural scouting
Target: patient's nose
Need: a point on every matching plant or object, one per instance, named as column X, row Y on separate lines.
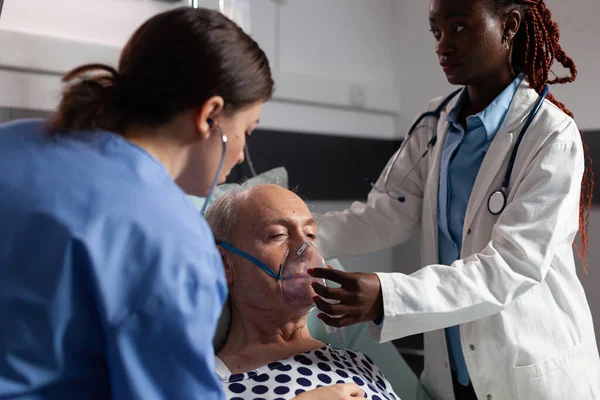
column 297, row 240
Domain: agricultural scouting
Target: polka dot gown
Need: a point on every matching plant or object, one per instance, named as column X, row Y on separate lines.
column 288, row 378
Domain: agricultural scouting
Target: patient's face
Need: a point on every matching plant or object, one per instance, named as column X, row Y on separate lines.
column 272, row 220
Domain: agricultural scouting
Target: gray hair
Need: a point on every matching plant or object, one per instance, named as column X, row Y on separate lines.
column 223, row 214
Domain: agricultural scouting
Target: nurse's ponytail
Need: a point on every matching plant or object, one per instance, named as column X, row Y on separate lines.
column 88, row 101
column 173, row 63
column 536, row 48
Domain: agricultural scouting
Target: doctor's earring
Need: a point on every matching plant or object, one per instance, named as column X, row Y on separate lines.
column 506, row 39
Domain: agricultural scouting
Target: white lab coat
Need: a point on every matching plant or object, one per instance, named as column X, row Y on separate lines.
column 526, row 327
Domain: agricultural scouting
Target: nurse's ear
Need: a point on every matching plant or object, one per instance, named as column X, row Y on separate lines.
column 227, row 265
column 206, row 114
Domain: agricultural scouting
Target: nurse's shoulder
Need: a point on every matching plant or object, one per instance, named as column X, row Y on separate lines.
column 134, row 227
column 88, row 179
column 165, row 245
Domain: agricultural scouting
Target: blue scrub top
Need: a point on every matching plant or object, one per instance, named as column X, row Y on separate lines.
column 110, row 282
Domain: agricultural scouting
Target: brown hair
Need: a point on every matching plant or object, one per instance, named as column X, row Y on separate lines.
column 536, row 49
column 175, row 61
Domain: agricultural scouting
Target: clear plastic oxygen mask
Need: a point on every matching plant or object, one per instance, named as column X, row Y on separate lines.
column 296, row 283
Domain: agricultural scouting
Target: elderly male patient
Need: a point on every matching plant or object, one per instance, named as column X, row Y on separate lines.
column 269, row 352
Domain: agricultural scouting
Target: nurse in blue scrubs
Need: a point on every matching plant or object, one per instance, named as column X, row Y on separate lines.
column 110, row 282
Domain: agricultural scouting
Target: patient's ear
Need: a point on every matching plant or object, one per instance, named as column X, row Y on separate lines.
column 227, row 265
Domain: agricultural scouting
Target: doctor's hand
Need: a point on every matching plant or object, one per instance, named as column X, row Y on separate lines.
column 359, row 299
column 341, row 391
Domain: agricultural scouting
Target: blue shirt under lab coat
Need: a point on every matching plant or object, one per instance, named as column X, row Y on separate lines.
column 462, row 157
column 110, row 282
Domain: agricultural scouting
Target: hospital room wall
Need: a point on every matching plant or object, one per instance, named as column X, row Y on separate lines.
column 307, row 42
column 420, row 79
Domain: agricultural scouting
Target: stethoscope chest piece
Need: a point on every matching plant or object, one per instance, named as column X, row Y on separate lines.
column 497, row 202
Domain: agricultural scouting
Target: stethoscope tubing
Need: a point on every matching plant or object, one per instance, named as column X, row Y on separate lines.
column 495, row 196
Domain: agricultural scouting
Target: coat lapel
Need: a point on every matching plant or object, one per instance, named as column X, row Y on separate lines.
column 432, row 188
column 490, row 169
column 500, row 148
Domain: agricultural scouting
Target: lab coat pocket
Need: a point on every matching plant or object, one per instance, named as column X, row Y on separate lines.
column 559, row 377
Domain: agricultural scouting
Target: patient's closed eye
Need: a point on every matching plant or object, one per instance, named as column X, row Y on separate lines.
column 277, row 235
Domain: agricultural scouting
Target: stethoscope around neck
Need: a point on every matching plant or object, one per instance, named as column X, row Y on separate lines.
column 498, row 199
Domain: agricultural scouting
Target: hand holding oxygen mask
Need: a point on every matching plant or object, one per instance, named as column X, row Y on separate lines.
column 296, row 283
column 359, row 299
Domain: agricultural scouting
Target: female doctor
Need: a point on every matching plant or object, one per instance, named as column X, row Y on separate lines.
column 505, row 314
column 110, row 282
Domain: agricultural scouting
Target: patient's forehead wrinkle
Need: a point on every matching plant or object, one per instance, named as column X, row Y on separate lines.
column 270, row 208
